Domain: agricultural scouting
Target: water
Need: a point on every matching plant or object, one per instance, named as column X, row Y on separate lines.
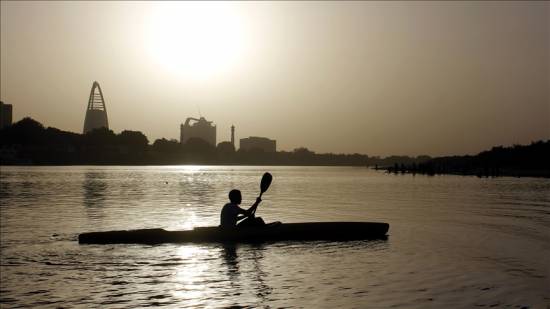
column 454, row 242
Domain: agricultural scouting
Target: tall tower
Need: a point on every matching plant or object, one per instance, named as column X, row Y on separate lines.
column 5, row 114
column 96, row 112
column 233, row 135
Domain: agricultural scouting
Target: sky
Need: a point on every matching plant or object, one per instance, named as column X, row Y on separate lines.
column 378, row 78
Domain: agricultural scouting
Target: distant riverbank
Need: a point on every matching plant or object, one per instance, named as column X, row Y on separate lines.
column 516, row 161
column 504, row 172
column 28, row 142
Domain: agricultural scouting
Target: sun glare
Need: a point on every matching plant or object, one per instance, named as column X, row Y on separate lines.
column 197, row 40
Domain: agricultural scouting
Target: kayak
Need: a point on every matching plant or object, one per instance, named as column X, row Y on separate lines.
column 270, row 232
column 336, row 231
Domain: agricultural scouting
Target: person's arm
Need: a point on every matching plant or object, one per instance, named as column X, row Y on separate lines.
column 246, row 213
column 241, row 213
column 252, row 208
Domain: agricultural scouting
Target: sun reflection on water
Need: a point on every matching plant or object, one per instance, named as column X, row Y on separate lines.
column 191, row 274
column 190, row 168
column 190, row 219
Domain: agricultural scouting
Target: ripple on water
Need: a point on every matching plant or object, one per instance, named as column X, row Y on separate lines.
column 455, row 242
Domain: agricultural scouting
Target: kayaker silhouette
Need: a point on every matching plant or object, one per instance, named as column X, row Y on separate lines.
column 231, row 212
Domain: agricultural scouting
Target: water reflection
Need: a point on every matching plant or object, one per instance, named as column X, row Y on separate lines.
column 229, row 255
column 196, row 189
column 262, row 288
column 252, row 254
column 197, row 195
column 136, row 186
column 5, row 189
column 23, row 188
column 191, row 275
column 94, row 189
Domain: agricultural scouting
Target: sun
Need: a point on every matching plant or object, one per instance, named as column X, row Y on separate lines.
column 197, row 40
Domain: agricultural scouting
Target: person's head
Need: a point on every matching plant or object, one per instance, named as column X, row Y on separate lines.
column 235, row 196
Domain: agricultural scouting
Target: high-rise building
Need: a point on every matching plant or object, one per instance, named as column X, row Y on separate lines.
column 201, row 128
column 96, row 112
column 5, row 115
column 233, row 135
column 259, row 143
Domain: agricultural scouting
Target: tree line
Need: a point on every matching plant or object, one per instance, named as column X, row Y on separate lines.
column 29, row 142
column 517, row 160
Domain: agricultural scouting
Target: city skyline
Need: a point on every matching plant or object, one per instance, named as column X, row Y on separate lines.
column 332, row 77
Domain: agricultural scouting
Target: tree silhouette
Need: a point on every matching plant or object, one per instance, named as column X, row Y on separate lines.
column 134, row 140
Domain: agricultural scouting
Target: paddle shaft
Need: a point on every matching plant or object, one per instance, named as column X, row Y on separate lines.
column 254, row 211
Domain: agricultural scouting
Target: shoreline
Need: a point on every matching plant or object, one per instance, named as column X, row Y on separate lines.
column 386, row 170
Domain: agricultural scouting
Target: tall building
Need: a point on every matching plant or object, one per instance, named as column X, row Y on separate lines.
column 260, row 143
column 96, row 112
column 233, row 135
column 201, row 128
column 5, row 115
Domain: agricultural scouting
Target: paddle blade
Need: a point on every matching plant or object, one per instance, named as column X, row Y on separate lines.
column 266, row 181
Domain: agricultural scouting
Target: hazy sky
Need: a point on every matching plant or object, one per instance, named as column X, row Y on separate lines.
column 386, row 78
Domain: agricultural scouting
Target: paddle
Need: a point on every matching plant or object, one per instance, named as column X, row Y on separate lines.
column 264, row 185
